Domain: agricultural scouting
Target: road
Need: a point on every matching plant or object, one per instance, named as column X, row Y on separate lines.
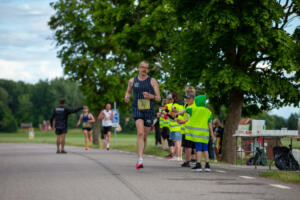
column 36, row 172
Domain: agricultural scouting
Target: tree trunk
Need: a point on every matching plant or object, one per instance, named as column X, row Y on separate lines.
column 96, row 129
column 234, row 112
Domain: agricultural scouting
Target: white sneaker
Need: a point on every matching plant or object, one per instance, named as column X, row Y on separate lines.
column 179, row 159
column 173, row 159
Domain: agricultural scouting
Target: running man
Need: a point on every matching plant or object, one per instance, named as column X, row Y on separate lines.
column 106, row 116
column 61, row 114
column 86, row 118
column 146, row 92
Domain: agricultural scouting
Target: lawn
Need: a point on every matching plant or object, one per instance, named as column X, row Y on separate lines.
column 285, row 176
column 126, row 142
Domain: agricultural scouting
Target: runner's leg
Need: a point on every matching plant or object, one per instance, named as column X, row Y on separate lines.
column 63, row 136
column 140, row 137
column 108, row 139
column 146, row 131
column 58, row 142
column 86, row 138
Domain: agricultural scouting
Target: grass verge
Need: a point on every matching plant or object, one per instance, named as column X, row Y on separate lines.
column 285, row 176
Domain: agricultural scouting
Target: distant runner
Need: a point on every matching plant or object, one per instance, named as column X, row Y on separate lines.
column 106, row 116
column 145, row 90
column 60, row 114
column 86, row 118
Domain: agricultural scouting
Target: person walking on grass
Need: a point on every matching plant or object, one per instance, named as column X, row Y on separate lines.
column 60, row 114
column 106, row 116
column 146, row 92
column 86, row 118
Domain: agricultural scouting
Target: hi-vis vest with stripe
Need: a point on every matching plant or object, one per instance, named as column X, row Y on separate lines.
column 183, row 118
column 173, row 125
column 163, row 122
column 198, row 129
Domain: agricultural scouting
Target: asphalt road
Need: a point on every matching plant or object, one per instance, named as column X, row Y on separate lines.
column 36, row 172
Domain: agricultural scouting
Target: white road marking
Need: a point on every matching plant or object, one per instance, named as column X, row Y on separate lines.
column 280, row 186
column 220, row 171
column 247, row 177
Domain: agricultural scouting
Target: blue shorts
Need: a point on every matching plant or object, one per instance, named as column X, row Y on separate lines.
column 201, row 146
column 175, row 136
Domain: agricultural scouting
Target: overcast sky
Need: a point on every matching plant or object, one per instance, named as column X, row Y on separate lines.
column 28, row 54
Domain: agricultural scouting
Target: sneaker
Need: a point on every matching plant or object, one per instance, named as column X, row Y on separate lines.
column 87, row 147
column 173, row 159
column 207, row 167
column 197, row 168
column 169, row 156
column 63, row 151
column 139, row 166
column 193, row 162
column 186, row 164
column 179, row 159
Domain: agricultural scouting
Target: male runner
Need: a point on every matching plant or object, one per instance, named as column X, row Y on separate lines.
column 145, row 90
column 106, row 116
column 60, row 114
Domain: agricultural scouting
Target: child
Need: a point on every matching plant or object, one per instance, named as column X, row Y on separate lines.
column 199, row 129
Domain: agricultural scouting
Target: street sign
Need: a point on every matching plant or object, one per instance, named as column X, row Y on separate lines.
column 116, row 118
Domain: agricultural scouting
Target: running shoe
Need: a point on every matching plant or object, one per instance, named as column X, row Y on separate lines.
column 169, row 156
column 63, row 151
column 179, row 159
column 197, row 168
column 173, row 159
column 139, row 166
column 207, row 167
column 186, row 164
column 87, row 147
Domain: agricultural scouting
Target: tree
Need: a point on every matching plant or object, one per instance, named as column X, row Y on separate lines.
column 238, row 51
column 292, row 122
column 25, row 112
column 7, row 120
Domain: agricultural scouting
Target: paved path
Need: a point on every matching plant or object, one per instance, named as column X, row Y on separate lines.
column 36, row 172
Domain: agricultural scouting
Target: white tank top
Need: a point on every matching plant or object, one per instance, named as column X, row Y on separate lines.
column 106, row 121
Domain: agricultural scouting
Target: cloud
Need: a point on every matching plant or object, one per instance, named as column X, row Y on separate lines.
column 30, row 71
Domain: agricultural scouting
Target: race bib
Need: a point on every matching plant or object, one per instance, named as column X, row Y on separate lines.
column 106, row 118
column 86, row 125
column 143, row 104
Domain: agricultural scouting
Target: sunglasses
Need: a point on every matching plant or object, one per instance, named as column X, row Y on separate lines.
column 145, row 67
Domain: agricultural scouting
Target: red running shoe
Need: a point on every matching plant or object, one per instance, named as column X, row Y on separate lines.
column 139, row 166
column 169, row 156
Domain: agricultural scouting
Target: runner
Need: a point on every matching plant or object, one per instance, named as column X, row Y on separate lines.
column 86, row 118
column 61, row 114
column 106, row 116
column 146, row 91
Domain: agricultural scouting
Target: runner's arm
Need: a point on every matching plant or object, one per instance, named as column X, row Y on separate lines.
column 79, row 121
column 154, row 84
column 70, row 111
column 128, row 91
column 92, row 120
column 100, row 116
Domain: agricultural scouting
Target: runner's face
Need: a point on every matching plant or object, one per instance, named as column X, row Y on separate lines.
column 108, row 106
column 85, row 109
column 143, row 69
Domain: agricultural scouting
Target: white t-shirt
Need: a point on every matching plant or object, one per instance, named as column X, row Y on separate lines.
column 106, row 121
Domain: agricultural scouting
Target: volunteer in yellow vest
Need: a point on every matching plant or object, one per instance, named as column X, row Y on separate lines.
column 175, row 128
column 183, row 120
column 200, row 129
column 166, row 129
column 162, row 124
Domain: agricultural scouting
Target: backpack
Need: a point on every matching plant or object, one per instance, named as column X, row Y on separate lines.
column 260, row 157
column 284, row 159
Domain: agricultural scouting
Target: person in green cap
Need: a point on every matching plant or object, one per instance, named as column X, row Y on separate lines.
column 199, row 129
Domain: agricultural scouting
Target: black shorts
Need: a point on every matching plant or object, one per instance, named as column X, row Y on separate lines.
column 146, row 115
column 187, row 143
column 59, row 131
column 171, row 143
column 165, row 132
column 87, row 128
column 106, row 129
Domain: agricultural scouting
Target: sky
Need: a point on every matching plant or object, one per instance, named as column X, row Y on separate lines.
column 27, row 52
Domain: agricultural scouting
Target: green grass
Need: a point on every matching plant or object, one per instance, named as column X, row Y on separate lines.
column 285, row 176
column 126, row 142
column 286, row 142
